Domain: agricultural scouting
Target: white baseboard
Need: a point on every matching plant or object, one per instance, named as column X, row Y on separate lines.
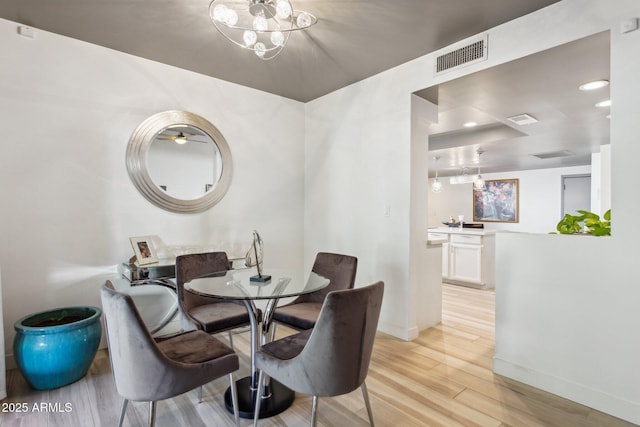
column 413, row 333
column 398, row 332
column 596, row 399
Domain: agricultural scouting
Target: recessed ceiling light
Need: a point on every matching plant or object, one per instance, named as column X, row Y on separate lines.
column 470, row 124
column 606, row 103
column 597, row 84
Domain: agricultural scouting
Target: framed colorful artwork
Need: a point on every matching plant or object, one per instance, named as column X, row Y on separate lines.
column 497, row 201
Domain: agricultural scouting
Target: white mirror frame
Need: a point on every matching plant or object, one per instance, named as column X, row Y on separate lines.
column 138, row 148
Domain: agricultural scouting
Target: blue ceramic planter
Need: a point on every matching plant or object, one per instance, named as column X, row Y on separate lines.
column 54, row 356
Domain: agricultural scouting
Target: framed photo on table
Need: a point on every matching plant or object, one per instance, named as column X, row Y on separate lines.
column 497, row 201
column 144, row 250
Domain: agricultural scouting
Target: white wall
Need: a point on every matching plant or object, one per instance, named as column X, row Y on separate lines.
column 425, row 261
column 358, row 158
column 567, row 306
column 3, row 377
column 68, row 109
column 601, row 175
column 358, row 150
column 358, row 161
column 540, row 200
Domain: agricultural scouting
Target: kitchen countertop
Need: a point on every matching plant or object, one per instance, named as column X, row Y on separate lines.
column 457, row 230
column 436, row 241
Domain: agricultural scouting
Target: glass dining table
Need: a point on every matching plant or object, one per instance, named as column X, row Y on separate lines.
column 237, row 285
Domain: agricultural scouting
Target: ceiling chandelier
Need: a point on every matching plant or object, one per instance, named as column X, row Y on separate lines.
column 263, row 26
column 478, row 184
column 436, row 186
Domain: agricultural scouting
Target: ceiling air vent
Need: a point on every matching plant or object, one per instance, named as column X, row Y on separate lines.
column 522, row 119
column 470, row 53
column 553, row 154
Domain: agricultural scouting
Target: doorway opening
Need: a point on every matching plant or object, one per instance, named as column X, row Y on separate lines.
column 576, row 193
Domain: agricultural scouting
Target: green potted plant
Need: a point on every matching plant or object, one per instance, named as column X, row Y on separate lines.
column 586, row 223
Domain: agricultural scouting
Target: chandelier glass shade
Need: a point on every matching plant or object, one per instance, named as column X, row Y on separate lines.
column 436, row 186
column 478, row 183
column 262, row 26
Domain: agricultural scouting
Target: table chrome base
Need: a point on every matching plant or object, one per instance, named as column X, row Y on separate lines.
column 280, row 398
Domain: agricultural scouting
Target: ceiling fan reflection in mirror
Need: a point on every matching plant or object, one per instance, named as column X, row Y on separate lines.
column 180, row 136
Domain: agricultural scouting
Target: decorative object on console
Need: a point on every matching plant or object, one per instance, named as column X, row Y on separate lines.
column 262, row 26
column 144, row 250
column 56, row 347
column 255, row 257
column 497, row 201
column 451, row 223
column 472, row 225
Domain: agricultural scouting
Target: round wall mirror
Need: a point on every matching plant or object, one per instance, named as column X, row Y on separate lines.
column 179, row 162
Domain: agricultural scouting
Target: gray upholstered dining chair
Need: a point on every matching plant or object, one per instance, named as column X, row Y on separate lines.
column 146, row 369
column 209, row 314
column 302, row 313
column 332, row 358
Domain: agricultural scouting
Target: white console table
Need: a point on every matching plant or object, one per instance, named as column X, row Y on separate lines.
column 152, row 288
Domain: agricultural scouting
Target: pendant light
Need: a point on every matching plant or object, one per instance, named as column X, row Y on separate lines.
column 436, row 186
column 478, row 183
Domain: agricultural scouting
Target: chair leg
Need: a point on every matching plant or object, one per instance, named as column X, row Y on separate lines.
column 122, row 412
column 152, row 413
column 314, row 411
column 234, row 398
column 365, row 395
column 231, row 341
column 258, row 393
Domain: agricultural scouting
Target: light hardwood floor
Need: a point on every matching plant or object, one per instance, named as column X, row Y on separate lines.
column 443, row 378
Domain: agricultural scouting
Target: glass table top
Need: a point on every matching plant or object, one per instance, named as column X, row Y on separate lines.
column 236, row 284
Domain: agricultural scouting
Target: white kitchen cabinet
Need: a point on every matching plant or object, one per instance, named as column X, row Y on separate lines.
column 444, row 239
column 445, row 259
column 468, row 257
column 466, row 263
